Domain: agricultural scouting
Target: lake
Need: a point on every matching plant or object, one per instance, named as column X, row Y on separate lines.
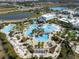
column 15, row 16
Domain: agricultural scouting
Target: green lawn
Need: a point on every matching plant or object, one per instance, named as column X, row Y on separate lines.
column 76, row 56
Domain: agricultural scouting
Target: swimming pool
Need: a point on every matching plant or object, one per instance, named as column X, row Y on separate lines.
column 29, row 30
column 8, row 28
column 42, row 38
column 47, row 29
column 50, row 28
column 57, row 8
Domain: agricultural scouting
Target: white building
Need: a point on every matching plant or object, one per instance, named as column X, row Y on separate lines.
column 77, row 49
column 76, row 23
column 47, row 17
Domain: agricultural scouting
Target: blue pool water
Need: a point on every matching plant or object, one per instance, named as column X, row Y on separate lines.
column 8, row 28
column 57, row 8
column 29, row 30
column 47, row 29
column 42, row 38
column 14, row 16
column 50, row 28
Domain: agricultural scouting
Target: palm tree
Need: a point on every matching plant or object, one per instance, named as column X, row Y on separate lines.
column 66, row 51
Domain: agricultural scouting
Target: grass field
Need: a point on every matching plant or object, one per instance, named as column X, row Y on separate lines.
column 2, row 53
column 6, row 10
column 76, row 56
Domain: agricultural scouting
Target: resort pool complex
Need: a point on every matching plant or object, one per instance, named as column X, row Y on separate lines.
column 57, row 8
column 42, row 32
column 8, row 28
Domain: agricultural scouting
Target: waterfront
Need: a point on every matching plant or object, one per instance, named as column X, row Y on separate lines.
column 14, row 16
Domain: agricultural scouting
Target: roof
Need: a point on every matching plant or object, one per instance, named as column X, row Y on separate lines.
column 77, row 49
column 48, row 16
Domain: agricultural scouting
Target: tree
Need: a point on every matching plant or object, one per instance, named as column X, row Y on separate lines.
column 2, row 36
column 48, row 57
column 66, row 51
column 34, row 57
